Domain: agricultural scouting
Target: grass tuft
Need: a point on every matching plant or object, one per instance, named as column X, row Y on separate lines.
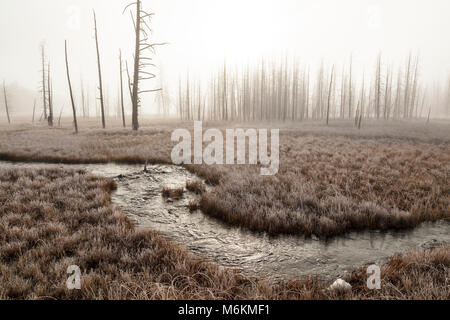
column 174, row 193
column 196, row 186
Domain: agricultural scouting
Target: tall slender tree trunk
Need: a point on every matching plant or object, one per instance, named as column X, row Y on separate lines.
column 363, row 95
column 44, row 90
column 34, row 109
column 307, row 95
column 350, row 97
column 102, row 106
column 378, row 87
column 408, row 78
column 121, row 90
column 50, row 99
column 414, row 89
column 397, row 95
column 6, row 102
column 329, row 95
column 129, row 81
column 70, row 89
column 135, row 120
column 387, row 95
column 83, row 98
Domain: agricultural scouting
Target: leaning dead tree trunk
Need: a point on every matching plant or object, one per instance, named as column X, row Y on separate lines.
column 44, row 91
column 6, row 102
column 129, row 81
column 100, row 87
column 142, row 30
column 121, row 89
column 407, row 89
column 50, row 99
column 60, row 115
column 70, row 89
column 34, row 109
column 83, row 99
column 329, row 95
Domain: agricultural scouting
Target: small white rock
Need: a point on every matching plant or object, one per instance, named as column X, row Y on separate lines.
column 342, row 285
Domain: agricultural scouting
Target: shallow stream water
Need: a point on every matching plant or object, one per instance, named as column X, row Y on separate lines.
column 139, row 196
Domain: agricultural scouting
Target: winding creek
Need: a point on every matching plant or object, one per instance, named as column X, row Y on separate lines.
column 139, row 196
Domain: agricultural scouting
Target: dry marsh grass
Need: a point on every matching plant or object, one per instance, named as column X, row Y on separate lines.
column 53, row 218
column 420, row 275
column 390, row 175
column 174, row 193
column 50, row 219
column 196, row 186
column 193, row 206
column 329, row 185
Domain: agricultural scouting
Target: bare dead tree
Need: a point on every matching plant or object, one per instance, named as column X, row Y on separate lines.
column 121, row 90
column 388, row 94
column 378, row 87
column 60, row 115
column 70, row 89
column 350, row 88
column 329, row 95
column 188, row 98
column 6, row 102
column 129, row 81
column 102, row 106
column 407, row 89
column 44, row 90
column 343, row 93
column 83, row 99
column 363, row 95
column 50, row 98
column 180, row 99
column 199, row 102
column 398, row 95
column 424, row 96
column 224, row 92
column 317, row 113
column 414, row 88
column 34, row 109
column 307, row 94
column 141, row 23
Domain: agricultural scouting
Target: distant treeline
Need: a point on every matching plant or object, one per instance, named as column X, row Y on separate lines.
column 284, row 89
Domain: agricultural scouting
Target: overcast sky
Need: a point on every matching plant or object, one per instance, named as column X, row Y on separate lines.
column 202, row 33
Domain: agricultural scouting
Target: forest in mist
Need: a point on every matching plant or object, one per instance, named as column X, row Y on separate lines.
column 243, row 77
column 286, row 90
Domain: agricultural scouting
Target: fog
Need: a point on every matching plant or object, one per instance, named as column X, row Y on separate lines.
column 201, row 34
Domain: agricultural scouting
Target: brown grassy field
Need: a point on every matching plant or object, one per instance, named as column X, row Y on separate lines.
column 389, row 175
column 53, row 218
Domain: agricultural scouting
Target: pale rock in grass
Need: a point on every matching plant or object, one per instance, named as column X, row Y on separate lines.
column 340, row 285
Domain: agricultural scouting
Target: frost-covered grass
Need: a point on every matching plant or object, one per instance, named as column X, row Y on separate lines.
column 389, row 175
column 53, row 218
